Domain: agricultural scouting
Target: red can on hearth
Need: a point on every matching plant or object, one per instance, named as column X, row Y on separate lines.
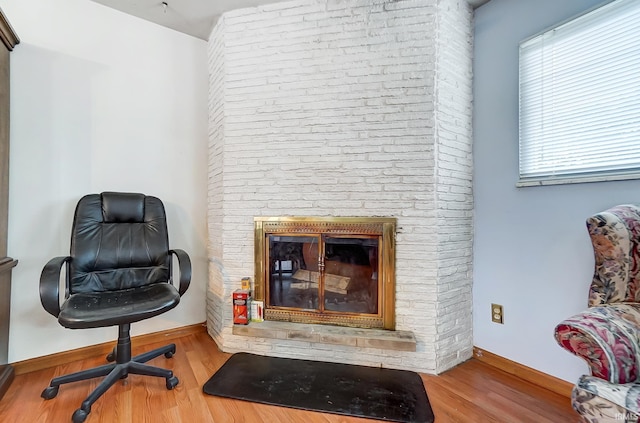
column 240, row 307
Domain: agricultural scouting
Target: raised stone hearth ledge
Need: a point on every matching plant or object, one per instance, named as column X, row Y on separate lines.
column 398, row 340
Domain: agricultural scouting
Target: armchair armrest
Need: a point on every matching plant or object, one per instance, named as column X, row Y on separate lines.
column 50, row 285
column 184, row 267
column 606, row 337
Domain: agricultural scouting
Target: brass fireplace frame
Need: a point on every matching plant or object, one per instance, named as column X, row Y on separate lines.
column 384, row 227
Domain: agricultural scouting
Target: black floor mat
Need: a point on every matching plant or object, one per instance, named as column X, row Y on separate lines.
column 383, row 394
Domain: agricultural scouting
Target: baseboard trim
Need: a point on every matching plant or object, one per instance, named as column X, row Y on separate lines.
column 6, row 377
column 534, row 376
column 64, row 357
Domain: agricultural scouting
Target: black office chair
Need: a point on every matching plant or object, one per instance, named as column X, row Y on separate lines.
column 119, row 272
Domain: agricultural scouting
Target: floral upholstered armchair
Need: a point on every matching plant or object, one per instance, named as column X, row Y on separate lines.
column 607, row 334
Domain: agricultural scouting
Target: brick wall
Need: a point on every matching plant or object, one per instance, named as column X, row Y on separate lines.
column 454, row 193
column 348, row 108
column 217, row 282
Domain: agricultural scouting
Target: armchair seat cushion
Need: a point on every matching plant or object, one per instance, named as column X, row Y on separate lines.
column 598, row 400
column 109, row 308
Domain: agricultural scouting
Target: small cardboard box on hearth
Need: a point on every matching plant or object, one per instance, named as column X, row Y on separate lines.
column 241, row 306
column 257, row 311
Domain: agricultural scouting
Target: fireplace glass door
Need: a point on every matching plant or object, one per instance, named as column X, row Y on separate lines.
column 286, row 285
column 328, row 270
column 324, row 273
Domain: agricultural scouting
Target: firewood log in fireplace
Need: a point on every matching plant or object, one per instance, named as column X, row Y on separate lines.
column 306, row 279
column 359, row 275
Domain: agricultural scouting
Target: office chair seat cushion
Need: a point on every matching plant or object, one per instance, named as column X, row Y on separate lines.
column 109, row 308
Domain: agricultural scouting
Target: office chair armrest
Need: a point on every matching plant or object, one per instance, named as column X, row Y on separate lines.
column 184, row 266
column 50, row 285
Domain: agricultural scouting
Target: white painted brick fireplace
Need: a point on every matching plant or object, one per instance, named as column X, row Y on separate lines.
column 347, row 108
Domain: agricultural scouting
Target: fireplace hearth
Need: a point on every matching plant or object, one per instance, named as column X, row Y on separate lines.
column 327, row 270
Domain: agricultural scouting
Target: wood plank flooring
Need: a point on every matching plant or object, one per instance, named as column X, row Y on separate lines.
column 472, row 392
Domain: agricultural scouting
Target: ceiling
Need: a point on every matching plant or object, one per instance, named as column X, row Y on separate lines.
column 192, row 17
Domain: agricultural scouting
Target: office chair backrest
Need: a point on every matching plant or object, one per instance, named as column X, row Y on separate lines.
column 118, row 241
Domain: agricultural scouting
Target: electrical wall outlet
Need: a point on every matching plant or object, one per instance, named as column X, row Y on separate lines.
column 497, row 315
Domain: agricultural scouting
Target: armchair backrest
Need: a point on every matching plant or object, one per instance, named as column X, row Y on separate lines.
column 615, row 235
column 118, row 241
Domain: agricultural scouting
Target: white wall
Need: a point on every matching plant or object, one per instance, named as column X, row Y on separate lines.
column 100, row 101
column 532, row 252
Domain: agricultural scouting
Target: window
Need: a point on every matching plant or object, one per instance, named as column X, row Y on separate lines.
column 580, row 99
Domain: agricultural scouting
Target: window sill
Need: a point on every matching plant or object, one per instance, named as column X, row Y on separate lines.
column 534, row 182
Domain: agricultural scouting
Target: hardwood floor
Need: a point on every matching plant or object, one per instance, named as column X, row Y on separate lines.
column 472, row 392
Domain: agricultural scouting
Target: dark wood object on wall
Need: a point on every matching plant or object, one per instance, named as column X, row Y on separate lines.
column 9, row 41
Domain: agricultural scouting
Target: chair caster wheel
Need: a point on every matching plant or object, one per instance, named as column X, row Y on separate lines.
column 168, row 354
column 79, row 416
column 172, row 382
column 50, row 392
column 111, row 357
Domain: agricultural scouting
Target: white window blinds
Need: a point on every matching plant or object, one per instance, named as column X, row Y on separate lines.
column 580, row 98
